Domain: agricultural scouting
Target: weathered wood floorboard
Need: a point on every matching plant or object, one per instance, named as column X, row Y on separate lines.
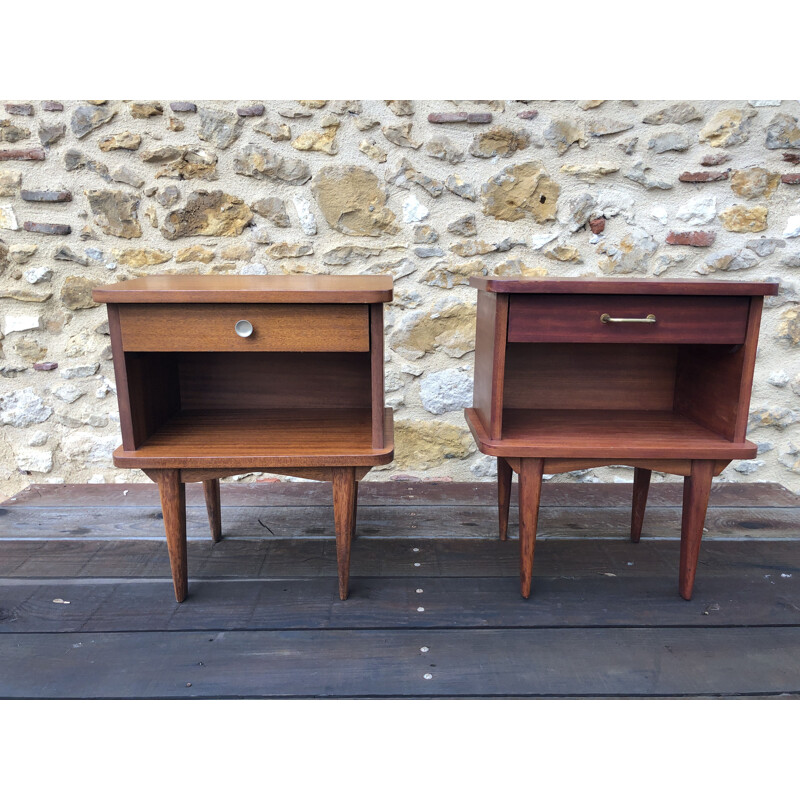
column 99, row 605
column 453, row 558
column 263, row 619
column 750, row 495
column 487, row 663
column 71, row 522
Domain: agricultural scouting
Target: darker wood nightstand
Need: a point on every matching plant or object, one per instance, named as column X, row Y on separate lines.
column 220, row 375
column 578, row 373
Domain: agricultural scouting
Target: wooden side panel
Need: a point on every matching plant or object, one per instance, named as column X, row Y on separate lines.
column 714, row 383
column 121, row 378
column 153, row 392
column 490, row 354
column 590, row 376
column 274, row 380
column 748, row 366
column 376, row 371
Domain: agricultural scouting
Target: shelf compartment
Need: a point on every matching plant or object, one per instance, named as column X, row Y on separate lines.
column 260, row 438
column 606, row 434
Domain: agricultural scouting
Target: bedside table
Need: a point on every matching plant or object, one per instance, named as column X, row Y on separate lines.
column 577, row 373
column 220, row 375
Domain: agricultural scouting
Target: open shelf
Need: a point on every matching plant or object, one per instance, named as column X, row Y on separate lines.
column 607, row 434
column 253, row 438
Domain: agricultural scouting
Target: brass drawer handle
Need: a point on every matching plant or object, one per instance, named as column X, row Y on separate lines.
column 604, row 318
column 243, row 328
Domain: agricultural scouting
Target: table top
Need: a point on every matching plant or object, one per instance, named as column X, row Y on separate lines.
column 248, row 289
column 620, row 286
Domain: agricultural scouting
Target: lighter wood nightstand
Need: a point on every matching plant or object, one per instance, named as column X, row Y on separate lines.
column 575, row 373
column 220, row 375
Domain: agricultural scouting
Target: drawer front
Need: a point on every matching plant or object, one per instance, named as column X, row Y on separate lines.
column 685, row 319
column 210, row 327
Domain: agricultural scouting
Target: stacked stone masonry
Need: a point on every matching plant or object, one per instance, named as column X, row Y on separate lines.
column 430, row 192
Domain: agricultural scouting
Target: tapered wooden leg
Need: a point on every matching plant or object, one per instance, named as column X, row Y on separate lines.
column 211, row 491
column 344, row 489
column 530, row 491
column 173, row 507
column 503, row 495
column 355, row 511
column 696, row 488
column 641, row 485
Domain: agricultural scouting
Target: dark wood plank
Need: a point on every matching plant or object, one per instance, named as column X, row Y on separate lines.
column 374, row 558
column 98, row 605
column 620, row 286
column 248, row 288
column 486, row 663
column 403, row 521
column 390, row 493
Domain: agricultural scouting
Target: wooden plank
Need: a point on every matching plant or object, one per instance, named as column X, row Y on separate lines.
column 619, row 286
column 473, row 522
column 97, row 605
column 250, row 288
column 593, row 495
column 314, row 558
column 463, row 663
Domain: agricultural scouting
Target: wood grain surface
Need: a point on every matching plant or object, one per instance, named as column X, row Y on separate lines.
column 248, row 288
column 208, row 328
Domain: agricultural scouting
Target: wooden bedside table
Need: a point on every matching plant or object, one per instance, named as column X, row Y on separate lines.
column 220, row 375
column 577, row 373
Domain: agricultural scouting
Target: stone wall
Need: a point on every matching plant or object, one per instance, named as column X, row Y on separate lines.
column 431, row 192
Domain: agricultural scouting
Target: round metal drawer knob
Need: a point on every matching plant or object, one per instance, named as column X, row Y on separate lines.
column 243, row 328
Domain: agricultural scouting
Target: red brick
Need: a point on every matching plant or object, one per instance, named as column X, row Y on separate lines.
column 791, row 177
column 33, row 154
column 714, row 160
column 528, row 114
column 692, row 238
column 792, row 158
column 597, row 225
column 702, row 177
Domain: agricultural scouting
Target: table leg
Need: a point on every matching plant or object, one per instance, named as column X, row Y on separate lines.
column 355, row 511
column 504, row 474
column 173, row 507
column 530, row 491
column 641, row 485
column 211, row 492
column 696, row 489
column 344, row 488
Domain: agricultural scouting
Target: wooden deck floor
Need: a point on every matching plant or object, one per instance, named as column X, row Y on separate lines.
column 86, row 604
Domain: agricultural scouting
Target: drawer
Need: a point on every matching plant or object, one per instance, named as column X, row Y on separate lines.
column 209, row 327
column 679, row 319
